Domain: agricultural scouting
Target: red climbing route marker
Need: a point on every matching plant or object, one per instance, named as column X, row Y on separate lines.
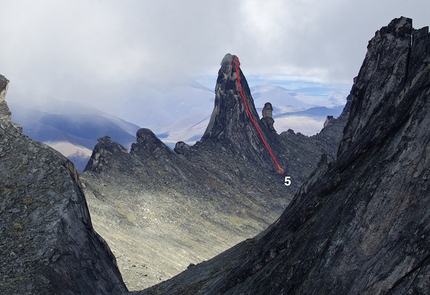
column 239, row 86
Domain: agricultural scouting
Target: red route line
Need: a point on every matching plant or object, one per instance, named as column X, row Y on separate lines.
column 239, row 86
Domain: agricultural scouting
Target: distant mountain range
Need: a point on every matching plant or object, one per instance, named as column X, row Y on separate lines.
column 73, row 128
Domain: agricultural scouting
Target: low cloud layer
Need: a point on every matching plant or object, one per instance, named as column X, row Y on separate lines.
column 97, row 51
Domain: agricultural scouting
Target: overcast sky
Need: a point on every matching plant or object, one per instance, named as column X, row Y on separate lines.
column 84, row 49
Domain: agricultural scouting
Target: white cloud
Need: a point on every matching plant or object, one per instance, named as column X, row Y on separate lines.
column 97, row 51
column 306, row 125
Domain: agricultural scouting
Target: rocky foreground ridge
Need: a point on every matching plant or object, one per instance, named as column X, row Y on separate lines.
column 360, row 225
column 47, row 244
column 187, row 205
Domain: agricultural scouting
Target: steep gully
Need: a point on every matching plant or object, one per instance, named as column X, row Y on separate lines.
column 239, row 86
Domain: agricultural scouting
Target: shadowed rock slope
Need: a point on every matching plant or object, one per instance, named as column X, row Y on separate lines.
column 360, row 225
column 47, row 244
column 187, row 205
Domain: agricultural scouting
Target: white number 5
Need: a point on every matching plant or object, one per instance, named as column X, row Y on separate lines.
column 287, row 180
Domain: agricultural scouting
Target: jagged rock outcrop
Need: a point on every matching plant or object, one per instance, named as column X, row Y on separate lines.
column 225, row 186
column 267, row 117
column 359, row 225
column 181, row 147
column 104, row 149
column 47, row 244
column 149, row 146
column 5, row 113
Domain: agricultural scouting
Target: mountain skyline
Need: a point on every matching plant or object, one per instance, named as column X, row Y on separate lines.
column 73, row 127
column 103, row 52
column 124, row 58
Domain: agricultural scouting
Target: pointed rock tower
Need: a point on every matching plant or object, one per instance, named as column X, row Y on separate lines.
column 234, row 120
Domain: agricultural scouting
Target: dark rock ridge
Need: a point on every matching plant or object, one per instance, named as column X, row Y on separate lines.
column 225, row 185
column 360, row 225
column 48, row 244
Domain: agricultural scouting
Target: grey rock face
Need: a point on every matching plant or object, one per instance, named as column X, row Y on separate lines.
column 149, row 146
column 234, row 119
column 267, row 110
column 181, row 147
column 48, row 244
column 359, row 225
column 102, row 152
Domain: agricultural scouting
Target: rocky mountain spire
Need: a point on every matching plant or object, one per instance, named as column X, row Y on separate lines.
column 229, row 117
column 234, row 120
